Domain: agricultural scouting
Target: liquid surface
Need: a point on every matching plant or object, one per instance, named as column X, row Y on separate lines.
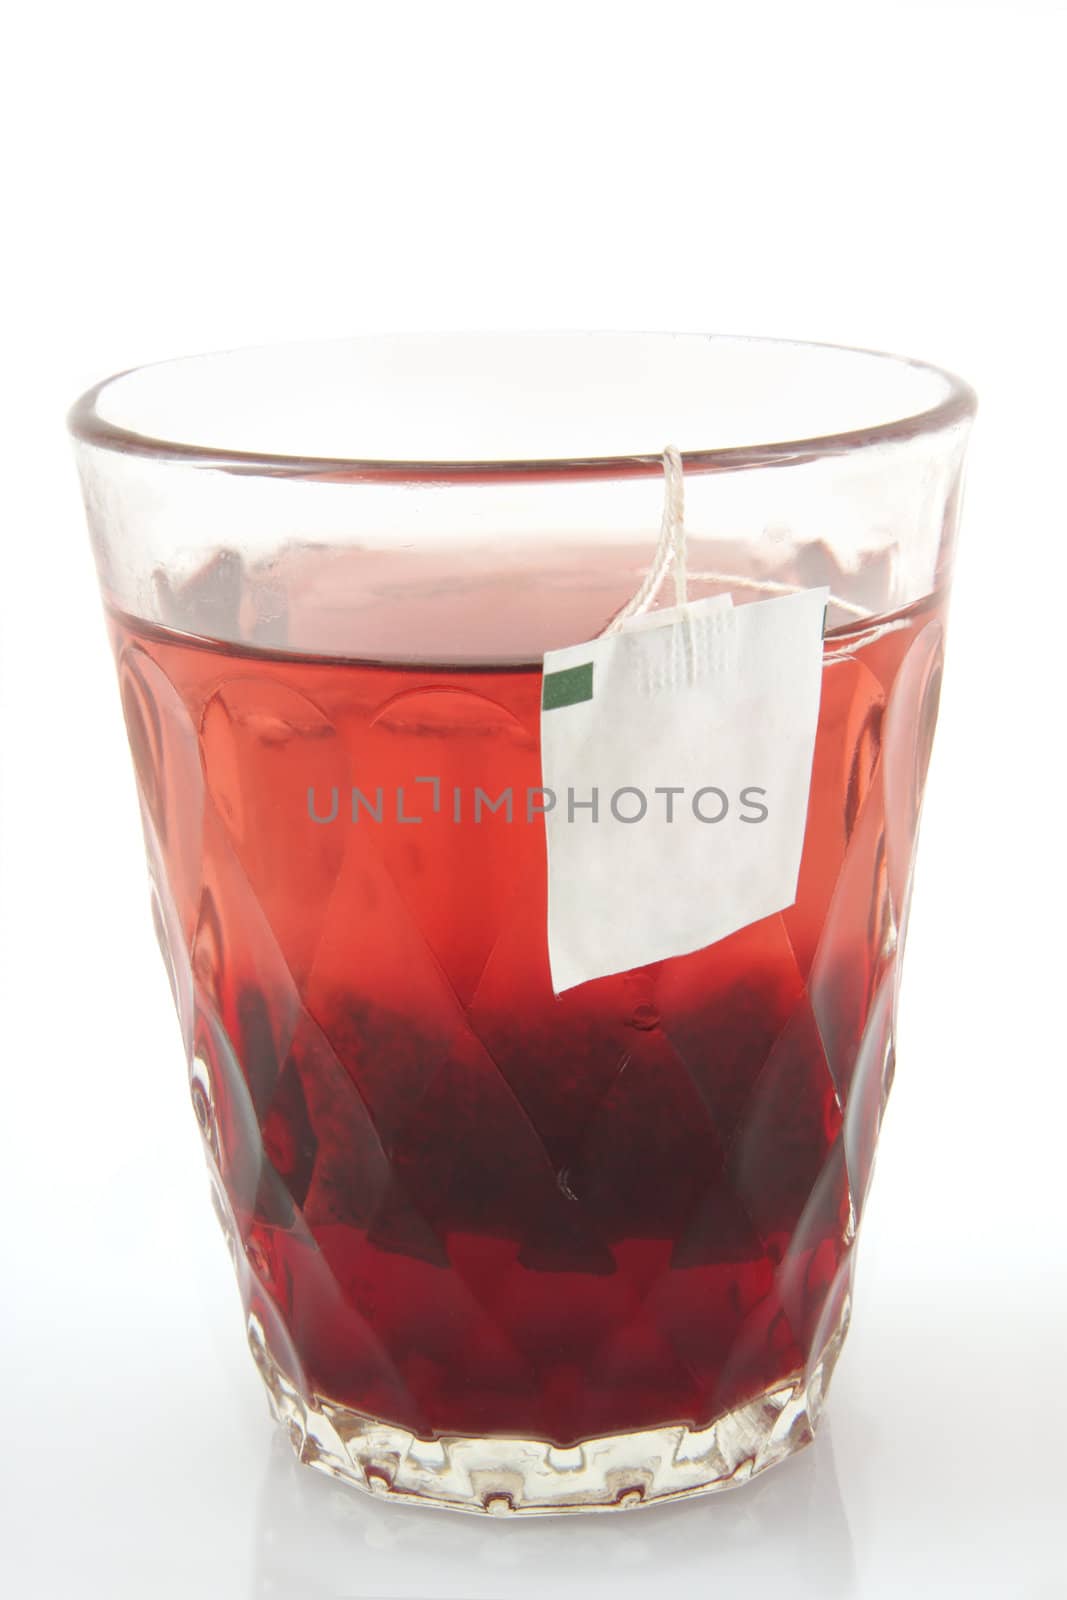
column 467, row 1205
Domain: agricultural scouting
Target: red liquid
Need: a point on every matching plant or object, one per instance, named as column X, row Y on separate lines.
column 469, row 1206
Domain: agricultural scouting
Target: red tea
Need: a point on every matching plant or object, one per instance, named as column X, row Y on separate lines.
column 469, row 1206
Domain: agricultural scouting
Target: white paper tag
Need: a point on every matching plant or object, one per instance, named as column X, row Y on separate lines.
column 676, row 759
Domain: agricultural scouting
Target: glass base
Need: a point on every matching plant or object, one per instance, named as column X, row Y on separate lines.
column 507, row 1477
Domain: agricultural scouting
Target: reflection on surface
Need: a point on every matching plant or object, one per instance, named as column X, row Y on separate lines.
column 786, row 1532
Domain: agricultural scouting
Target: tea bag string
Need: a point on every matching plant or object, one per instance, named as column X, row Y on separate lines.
column 671, row 547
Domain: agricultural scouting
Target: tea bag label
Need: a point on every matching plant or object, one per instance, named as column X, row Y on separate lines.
column 676, row 762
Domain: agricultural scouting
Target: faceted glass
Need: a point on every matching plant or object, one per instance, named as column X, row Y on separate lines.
column 501, row 1250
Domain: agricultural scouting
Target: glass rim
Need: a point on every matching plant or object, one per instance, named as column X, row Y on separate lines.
column 957, row 406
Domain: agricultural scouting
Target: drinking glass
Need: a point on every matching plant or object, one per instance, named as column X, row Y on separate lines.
column 499, row 1249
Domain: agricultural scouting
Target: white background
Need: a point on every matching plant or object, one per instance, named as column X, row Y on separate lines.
column 185, row 177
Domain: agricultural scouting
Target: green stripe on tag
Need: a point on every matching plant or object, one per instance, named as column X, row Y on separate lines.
column 567, row 688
